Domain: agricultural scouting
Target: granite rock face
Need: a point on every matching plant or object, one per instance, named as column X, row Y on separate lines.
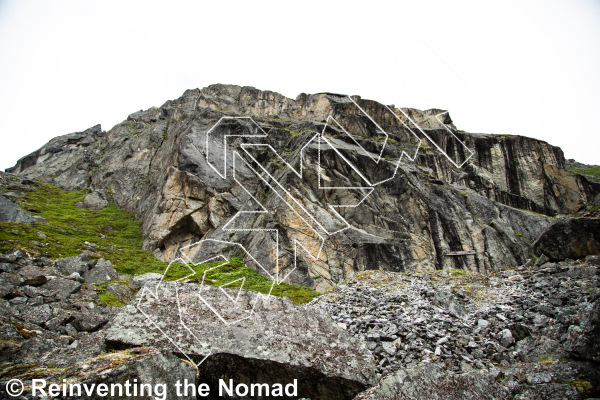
column 463, row 208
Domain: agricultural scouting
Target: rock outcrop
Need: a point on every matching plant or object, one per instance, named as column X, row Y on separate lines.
column 10, row 212
column 255, row 338
column 463, row 208
column 569, row 238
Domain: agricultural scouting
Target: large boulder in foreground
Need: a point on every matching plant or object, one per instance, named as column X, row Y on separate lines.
column 10, row 212
column 569, row 238
column 431, row 382
column 254, row 339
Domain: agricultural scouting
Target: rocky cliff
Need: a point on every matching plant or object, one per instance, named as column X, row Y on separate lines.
column 327, row 185
column 316, row 191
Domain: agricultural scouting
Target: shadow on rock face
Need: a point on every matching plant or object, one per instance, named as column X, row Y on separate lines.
column 218, row 369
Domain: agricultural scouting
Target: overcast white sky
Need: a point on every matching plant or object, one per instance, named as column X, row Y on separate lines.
column 508, row 67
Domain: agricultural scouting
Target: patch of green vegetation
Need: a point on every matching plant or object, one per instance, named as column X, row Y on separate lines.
column 584, row 387
column 389, row 139
column 233, row 273
column 275, row 161
column 518, row 233
column 586, row 170
column 458, row 271
column 69, row 227
column 111, row 299
column 298, row 133
column 534, row 256
column 131, row 125
column 547, row 360
column 594, row 209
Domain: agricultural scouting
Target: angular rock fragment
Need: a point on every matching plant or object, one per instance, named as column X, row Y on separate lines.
column 96, row 200
column 36, row 281
column 120, row 290
column 62, row 288
column 8, row 282
column 584, row 340
column 69, row 265
column 87, row 321
column 10, row 212
column 449, row 302
column 102, row 272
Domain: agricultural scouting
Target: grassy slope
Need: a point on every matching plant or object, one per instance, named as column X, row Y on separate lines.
column 588, row 170
column 69, row 227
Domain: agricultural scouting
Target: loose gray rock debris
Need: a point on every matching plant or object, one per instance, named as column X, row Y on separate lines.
column 382, row 335
column 548, row 315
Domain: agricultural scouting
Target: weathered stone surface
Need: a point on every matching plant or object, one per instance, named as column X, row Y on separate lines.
column 140, row 280
column 506, row 338
column 96, row 200
column 87, row 321
column 519, row 331
column 8, row 258
column 278, row 336
column 38, row 220
column 584, row 339
column 8, row 282
column 161, row 370
column 36, row 315
column 31, row 351
column 447, row 301
column 10, row 212
column 569, row 238
column 549, row 391
column 62, row 288
column 429, row 382
column 69, row 265
column 35, row 281
column 120, row 290
column 102, row 272
column 147, row 366
column 67, row 168
column 85, row 296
